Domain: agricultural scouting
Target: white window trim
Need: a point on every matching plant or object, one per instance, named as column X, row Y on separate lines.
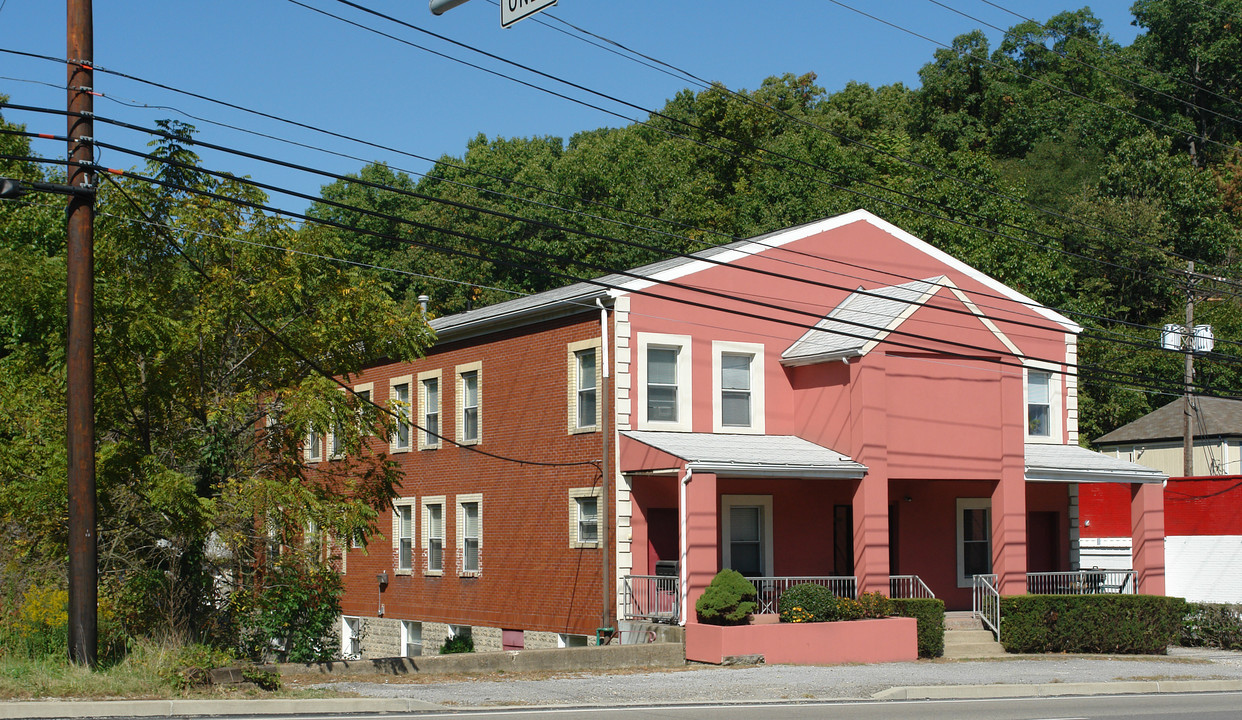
column 426, row 533
column 348, row 634
column 727, row 502
column 576, row 494
column 968, row 504
column 424, row 441
column 312, row 446
column 757, row 407
column 1056, row 403
column 572, row 350
column 406, row 626
column 460, row 429
column 394, row 444
column 397, row 504
column 462, row 500
column 685, row 420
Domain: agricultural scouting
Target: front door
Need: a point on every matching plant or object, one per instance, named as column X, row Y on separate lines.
column 661, row 537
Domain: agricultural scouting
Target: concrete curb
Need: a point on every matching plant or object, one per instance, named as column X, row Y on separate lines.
column 1125, row 687
column 180, row 708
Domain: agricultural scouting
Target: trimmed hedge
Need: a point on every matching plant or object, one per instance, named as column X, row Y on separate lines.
column 1212, row 625
column 929, row 613
column 1125, row 624
column 728, row 600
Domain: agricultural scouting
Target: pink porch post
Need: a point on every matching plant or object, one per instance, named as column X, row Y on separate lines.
column 1009, row 496
column 702, row 537
column 1147, row 537
column 869, row 398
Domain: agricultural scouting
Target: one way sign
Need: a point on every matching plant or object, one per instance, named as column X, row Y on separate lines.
column 513, row 10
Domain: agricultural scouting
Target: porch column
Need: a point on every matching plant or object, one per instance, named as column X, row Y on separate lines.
column 702, row 538
column 1009, row 496
column 1147, row 537
column 869, row 408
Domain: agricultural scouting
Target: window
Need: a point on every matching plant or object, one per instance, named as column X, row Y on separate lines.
column 469, row 533
column 399, row 402
column 737, row 387
column 336, row 442
column 663, row 382
column 313, row 449
column 585, row 377
column 403, row 534
column 411, row 638
column 351, row 638
column 433, row 534
column 584, row 506
column 363, row 400
column 1038, row 403
column 469, row 399
column 358, row 540
column 974, row 539
column 429, row 404
column 565, row 640
column 746, row 533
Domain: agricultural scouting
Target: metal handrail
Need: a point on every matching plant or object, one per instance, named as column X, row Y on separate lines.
column 908, row 586
column 656, row 598
column 770, row 589
column 1081, row 582
column 985, row 602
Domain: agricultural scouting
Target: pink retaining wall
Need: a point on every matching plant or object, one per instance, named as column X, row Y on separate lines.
column 858, row 641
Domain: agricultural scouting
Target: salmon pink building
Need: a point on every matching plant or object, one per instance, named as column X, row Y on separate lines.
column 838, row 402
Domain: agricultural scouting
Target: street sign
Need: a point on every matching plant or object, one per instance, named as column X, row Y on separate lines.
column 513, row 10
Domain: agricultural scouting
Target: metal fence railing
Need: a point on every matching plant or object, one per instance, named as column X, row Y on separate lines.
column 908, row 586
column 771, row 588
column 985, row 602
column 656, row 598
column 1082, row 582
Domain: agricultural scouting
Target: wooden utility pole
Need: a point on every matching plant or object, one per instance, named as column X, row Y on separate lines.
column 1188, row 346
column 80, row 357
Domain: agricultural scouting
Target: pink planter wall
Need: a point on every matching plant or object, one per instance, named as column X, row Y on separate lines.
column 859, row 641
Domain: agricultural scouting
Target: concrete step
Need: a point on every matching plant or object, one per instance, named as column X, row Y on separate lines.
column 965, row 637
column 968, row 636
column 973, row 650
column 962, row 620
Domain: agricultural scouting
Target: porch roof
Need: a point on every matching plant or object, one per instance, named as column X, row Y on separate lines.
column 754, row 456
column 1073, row 464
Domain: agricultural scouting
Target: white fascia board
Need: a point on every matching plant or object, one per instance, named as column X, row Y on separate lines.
column 562, row 307
column 821, row 358
column 1066, row 475
column 845, row 471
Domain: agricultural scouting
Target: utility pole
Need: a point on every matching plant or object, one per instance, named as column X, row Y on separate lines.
column 80, row 357
column 1188, row 346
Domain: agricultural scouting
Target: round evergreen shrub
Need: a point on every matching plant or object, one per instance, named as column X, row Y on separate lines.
column 799, row 600
column 728, row 600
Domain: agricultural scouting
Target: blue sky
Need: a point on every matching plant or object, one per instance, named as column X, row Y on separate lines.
column 284, row 59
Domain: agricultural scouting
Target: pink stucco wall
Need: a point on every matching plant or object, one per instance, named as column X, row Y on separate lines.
column 859, row 641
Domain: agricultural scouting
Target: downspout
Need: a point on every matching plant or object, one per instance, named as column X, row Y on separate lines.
column 608, row 599
column 682, row 571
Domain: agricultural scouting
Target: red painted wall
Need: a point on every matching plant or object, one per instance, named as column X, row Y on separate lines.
column 1104, row 510
column 1192, row 506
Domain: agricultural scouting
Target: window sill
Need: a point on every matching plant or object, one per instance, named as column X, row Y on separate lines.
column 584, row 430
column 584, row 546
column 394, row 450
column 470, row 573
column 433, row 573
column 398, row 571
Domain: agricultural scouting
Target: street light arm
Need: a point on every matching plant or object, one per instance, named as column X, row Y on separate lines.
column 11, row 188
column 439, row 7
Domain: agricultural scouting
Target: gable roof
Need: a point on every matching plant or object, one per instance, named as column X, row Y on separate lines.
column 581, row 297
column 1216, row 417
column 751, row 456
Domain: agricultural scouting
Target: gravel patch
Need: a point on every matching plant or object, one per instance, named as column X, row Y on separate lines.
column 779, row 682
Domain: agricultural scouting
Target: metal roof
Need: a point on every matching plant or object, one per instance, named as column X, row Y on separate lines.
column 751, row 455
column 861, row 320
column 1070, row 463
column 1215, row 417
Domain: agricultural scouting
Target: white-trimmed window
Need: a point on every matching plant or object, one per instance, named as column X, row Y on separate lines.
column 1042, row 396
column 351, row 637
column 737, row 387
column 470, row 403
column 974, row 539
column 585, row 379
column 746, row 533
column 584, row 516
column 403, row 510
column 663, row 382
column 312, row 448
column 363, row 395
column 469, row 534
column 433, row 534
column 411, row 638
column 565, row 640
column 429, row 409
column 399, row 402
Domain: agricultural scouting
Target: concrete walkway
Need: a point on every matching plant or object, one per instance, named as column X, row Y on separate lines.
column 1184, row 670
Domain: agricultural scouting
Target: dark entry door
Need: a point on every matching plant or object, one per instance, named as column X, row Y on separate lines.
column 842, row 540
column 1043, row 542
column 661, row 537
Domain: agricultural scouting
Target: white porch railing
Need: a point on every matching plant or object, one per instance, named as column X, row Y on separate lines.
column 656, row 598
column 908, row 586
column 985, row 602
column 771, row 588
column 1083, row 582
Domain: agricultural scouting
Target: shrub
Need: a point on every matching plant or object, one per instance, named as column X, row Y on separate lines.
column 458, row 644
column 294, row 615
column 1131, row 624
column 728, row 600
column 1212, row 625
column 192, row 664
column 845, row 609
column 875, row 605
column 809, row 598
column 929, row 614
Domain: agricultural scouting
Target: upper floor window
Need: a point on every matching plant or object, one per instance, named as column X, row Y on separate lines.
column 469, row 532
column 663, row 382
column 399, row 400
column 429, row 402
column 586, row 388
column 1038, row 403
column 469, row 399
column 433, row 534
column 313, row 447
column 737, row 387
column 584, row 375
